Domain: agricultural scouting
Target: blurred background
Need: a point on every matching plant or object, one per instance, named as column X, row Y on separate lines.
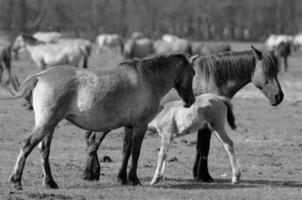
column 244, row 20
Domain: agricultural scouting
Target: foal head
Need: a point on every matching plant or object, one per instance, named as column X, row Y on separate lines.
column 183, row 83
column 265, row 76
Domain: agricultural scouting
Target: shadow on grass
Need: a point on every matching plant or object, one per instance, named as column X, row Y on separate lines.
column 189, row 184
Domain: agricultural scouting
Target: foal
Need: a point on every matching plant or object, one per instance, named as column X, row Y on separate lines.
column 208, row 110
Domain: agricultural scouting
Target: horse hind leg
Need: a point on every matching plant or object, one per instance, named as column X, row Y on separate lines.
column 92, row 168
column 229, row 148
column 44, row 148
column 162, row 156
column 38, row 133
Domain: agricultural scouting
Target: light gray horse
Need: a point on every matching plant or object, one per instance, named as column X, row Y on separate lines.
column 128, row 96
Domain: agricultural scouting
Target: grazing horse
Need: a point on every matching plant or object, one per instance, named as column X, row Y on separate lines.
column 67, row 51
column 138, row 48
column 48, row 36
column 224, row 74
column 112, row 42
column 200, row 48
column 5, row 58
column 208, row 110
column 283, row 50
column 127, row 96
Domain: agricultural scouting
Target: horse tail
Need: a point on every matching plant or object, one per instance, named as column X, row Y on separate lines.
column 230, row 115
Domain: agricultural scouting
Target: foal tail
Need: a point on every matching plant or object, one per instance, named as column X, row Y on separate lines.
column 230, row 115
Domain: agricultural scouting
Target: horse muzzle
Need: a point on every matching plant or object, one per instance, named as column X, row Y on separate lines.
column 278, row 98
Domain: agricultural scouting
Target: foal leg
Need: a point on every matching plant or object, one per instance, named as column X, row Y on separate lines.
column 229, row 148
column 122, row 175
column 137, row 139
column 200, row 169
column 29, row 143
column 92, row 169
column 44, row 148
column 162, row 156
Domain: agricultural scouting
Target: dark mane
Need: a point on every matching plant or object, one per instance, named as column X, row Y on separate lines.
column 227, row 66
column 157, row 65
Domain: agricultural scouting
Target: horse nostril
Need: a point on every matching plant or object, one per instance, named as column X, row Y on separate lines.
column 277, row 97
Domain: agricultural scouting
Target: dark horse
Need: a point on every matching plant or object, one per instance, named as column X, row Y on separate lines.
column 283, row 50
column 127, row 96
column 223, row 74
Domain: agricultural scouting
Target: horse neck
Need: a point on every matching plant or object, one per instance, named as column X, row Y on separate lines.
column 230, row 86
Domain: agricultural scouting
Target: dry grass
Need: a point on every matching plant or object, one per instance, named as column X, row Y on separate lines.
column 268, row 144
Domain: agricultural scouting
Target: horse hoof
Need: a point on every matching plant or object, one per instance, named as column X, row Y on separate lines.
column 50, row 185
column 235, row 182
column 134, row 181
column 154, row 181
column 205, row 179
column 122, row 180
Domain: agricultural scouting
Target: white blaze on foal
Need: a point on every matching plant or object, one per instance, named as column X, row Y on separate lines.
column 174, row 120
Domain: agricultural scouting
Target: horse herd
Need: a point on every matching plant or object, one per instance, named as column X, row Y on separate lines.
column 162, row 93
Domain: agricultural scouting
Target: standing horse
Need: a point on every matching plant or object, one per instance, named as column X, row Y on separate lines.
column 208, row 110
column 128, row 96
column 176, row 45
column 225, row 74
column 138, row 48
column 283, row 50
column 112, row 42
column 67, row 51
column 5, row 58
column 48, row 36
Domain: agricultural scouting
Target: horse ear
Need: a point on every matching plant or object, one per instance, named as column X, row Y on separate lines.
column 257, row 53
column 193, row 58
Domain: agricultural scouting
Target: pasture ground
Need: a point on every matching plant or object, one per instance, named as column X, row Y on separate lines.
column 268, row 145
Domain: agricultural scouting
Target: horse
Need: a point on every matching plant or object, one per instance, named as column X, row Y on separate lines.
column 283, row 50
column 177, row 45
column 138, row 48
column 223, row 74
column 169, row 37
column 112, row 42
column 137, row 35
column 128, row 96
column 208, row 110
column 65, row 51
column 48, row 36
column 5, row 58
column 200, row 48
column 297, row 43
column 274, row 40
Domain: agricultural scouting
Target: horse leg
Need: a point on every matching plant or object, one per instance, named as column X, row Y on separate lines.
column 162, row 156
column 200, row 169
column 229, row 148
column 122, row 175
column 92, row 169
column 1, row 71
column 44, row 148
column 29, row 143
column 137, row 139
column 285, row 63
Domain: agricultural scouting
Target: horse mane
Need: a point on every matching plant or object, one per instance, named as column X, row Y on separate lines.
column 156, row 65
column 227, row 66
column 30, row 39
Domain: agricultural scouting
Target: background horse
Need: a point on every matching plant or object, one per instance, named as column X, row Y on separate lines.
column 172, row 45
column 48, row 36
column 138, row 48
column 225, row 74
column 112, row 42
column 128, row 96
column 67, row 51
column 208, row 110
column 5, row 58
column 201, row 48
column 283, row 50
column 274, row 40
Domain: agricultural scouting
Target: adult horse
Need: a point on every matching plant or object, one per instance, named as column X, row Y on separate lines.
column 201, row 48
column 274, row 40
column 138, row 48
column 128, row 96
column 112, row 42
column 283, row 50
column 177, row 45
column 48, row 36
column 67, row 51
column 223, row 74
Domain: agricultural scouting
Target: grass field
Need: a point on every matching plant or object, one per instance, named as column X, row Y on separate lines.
column 268, row 144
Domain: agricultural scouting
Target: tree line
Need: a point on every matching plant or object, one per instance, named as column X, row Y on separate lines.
column 194, row 19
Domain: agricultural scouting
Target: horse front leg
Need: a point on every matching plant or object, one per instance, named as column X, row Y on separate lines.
column 44, row 148
column 200, row 169
column 93, row 168
column 137, row 139
column 122, row 175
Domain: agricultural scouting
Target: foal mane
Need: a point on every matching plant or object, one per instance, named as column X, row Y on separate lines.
column 227, row 66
